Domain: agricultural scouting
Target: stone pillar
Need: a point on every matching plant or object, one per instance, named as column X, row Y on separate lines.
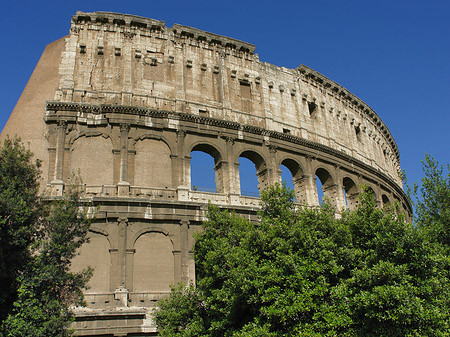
column 378, row 196
column 183, row 168
column 231, row 174
column 184, row 245
column 124, row 185
column 340, row 196
column 309, row 180
column 274, row 172
column 128, row 59
column 300, row 186
column 221, row 177
column 122, row 250
column 121, row 293
column 58, row 183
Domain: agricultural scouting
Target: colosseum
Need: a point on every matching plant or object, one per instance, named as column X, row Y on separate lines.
column 125, row 100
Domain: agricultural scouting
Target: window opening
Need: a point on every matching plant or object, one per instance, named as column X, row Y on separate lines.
column 286, row 177
column 202, row 172
column 319, row 188
column 312, row 107
column 248, row 178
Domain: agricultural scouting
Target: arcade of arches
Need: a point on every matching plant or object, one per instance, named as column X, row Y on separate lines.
column 150, row 163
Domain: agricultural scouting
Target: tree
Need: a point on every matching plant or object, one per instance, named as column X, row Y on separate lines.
column 19, row 216
column 46, row 288
column 304, row 272
column 399, row 280
column 433, row 201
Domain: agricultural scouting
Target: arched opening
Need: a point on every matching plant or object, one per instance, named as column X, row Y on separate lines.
column 205, row 169
column 286, row 177
column 292, row 174
column 319, row 189
column 325, row 184
column 350, row 193
column 252, row 174
column 371, row 191
column 385, row 200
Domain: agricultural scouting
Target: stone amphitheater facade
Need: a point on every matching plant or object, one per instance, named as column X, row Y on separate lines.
column 124, row 100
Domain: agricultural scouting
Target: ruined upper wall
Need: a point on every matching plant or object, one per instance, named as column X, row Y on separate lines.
column 123, row 59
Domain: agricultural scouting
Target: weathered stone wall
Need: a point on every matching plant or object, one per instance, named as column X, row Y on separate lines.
column 124, row 100
column 127, row 60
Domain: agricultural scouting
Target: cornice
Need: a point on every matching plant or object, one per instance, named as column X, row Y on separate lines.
column 132, row 23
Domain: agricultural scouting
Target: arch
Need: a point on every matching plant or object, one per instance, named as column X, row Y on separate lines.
column 153, row 263
column 73, row 136
column 152, row 164
column 155, row 137
column 208, row 148
column 255, row 158
column 350, row 192
column 371, row 190
column 150, row 229
column 298, row 182
column 294, row 167
column 92, row 157
column 99, row 231
column 261, row 173
column 203, row 177
column 385, row 200
column 328, row 185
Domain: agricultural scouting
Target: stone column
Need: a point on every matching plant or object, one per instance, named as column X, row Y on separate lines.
column 184, row 245
column 340, row 196
column 128, row 59
column 274, row 172
column 58, row 183
column 121, row 293
column 124, row 185
column 378, row 196
column 300, row 186
column 310, row 184
column 231, row 173
column 183, row 165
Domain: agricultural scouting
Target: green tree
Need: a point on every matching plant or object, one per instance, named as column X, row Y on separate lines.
column 433, row 201
column 302, row 272
column 45, row 286
column 399, row 280
column 19, row 216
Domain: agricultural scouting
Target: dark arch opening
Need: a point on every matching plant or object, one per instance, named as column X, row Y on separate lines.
column 350, row 193
column 385, row 200
column 324, row 186
column 371, row 191
column 292, row 174
column 252, row 173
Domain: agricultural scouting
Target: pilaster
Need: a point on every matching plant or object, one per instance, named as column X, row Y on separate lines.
column 58, row 183
column 124, row 185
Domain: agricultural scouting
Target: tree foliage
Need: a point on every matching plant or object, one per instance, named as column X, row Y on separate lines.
column 48, row 235
column 303, row 272
column 19, row 216
column 433, row 201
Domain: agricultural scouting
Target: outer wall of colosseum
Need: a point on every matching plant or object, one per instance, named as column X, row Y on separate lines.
column 125, row 100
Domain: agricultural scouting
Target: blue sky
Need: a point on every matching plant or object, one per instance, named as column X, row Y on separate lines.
column 394, row 55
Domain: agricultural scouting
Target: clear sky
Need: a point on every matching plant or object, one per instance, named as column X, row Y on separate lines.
column 394, row 55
